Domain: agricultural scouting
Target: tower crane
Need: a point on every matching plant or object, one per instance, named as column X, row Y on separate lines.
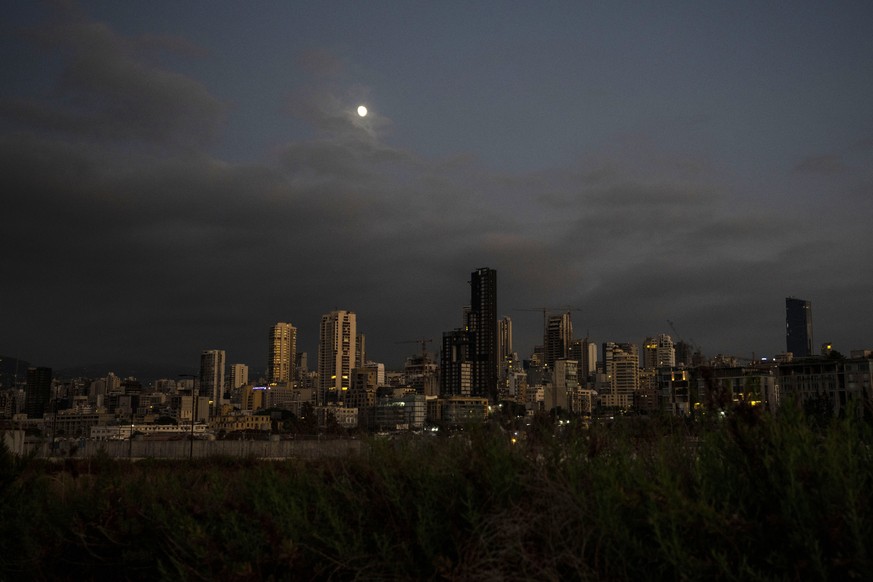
column 690, row 342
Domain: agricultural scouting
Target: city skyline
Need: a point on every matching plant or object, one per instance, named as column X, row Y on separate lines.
column 181, row 178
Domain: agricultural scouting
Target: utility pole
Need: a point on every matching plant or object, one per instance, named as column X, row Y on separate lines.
column 193, row 409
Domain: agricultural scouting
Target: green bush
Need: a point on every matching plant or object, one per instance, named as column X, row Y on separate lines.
column 747, row 497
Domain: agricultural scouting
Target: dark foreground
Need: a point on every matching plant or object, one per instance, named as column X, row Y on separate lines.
column 748, row 497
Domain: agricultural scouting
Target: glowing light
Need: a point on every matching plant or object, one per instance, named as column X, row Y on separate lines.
column 362, row 111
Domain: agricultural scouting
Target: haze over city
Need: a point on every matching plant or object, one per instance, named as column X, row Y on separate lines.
column 181, row 176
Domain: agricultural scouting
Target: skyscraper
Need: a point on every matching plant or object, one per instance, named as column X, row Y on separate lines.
column 505, row 356
column 282, row 353
column 621, row 362
column 361, row 351
column 584, row 351
column 455, row 363
column 483, row 326
column 559, row 334
column 666, row 356
column 658, row 352
column 212, row 378
column 504, row 338
column 239, row 375
column 336, row 355
column 798, row 327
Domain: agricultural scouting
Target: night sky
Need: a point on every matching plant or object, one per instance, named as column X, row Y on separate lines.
column 179, row 176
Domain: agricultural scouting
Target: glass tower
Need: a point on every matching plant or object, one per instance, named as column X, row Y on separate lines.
column 798, row 327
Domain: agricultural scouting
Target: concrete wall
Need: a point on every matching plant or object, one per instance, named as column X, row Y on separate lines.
column 300, row 449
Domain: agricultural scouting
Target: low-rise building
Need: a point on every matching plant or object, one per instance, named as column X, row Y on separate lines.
column 406, row 412
column 460, row 410
column 838, row 381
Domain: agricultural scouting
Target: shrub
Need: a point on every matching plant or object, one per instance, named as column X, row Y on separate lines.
column 748, row 497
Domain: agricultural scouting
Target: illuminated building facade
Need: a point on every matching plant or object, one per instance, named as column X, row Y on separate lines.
column 212, row 378
column 282, row 353
column 239, row 376
column 658, row 352
column 504, row 339
column 621, row 364
column 337, row 353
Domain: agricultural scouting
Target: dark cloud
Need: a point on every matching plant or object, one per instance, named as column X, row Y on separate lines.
column 823, row 164
column 327, row 113
column 320, row 62
column 109, row 90
column 127, row 252
column 863, row 145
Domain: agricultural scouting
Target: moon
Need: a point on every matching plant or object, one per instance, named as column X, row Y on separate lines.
column 362, row 111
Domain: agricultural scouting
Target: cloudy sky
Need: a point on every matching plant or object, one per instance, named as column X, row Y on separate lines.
column 180, row 175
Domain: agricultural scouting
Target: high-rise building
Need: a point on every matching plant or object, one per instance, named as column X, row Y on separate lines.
column 455, row 363
column 363, row 387
column 621, row 363
column 584, row 351
column 301, row 365
column 650, row 354
column 239, row 375
column 684, row 354
column 379, row 367
column 666, row 356
column 337, row 352
column 38, row 391
column 482, row 323
column 504, row 339
column 658, row 352
column 798, row 327
column 559, row 334
column 361, row 354
column 282, row 356
column 564, row 384
column 212, row 379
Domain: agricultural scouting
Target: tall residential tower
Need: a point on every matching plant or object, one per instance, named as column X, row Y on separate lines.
column 282, row 354
column 482, row 323
column 212, row 379
column 337, row 352
column 559, row 334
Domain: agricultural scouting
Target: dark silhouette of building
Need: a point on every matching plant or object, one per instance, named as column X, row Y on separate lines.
column 559, row 335
column 482, row 323
column 456, row 368
column 798, row 327
column 38, row 391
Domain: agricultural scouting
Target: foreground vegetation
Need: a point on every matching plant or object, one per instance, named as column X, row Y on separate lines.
column 746, row 497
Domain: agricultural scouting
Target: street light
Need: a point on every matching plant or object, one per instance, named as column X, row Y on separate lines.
column 193, row 410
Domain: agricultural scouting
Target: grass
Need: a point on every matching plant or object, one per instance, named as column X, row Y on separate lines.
column 750, row 497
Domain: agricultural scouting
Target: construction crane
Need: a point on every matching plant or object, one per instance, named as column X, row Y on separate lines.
column 694, row 347
column 690, row 342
